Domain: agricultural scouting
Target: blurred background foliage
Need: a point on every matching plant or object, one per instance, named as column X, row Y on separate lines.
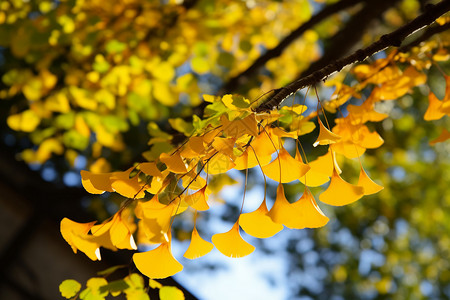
column 87, row 85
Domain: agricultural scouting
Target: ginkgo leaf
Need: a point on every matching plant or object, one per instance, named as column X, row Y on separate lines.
column 198, row 246
column 340, row 192
column 173, row 162
column 320, row 172
column 400, row 85
column 150, row 169
column 155, row 218
column 76, row 235
column 94, row 289
column 157, row 263
column 240, row 127
column 434, row 110
column 109, row 236
column 224, row 146
column 219, row 163
column 69, row 288
column 193, row 180
column 170, row 293
column 348, row 148
column 198, row 200
column 194, row 147
column 309, row 213
column 258, row 223
column 445, row 135
column 249, row 159
column 285, row 168
column 96, row 183
column 369, row 186
column 282, row 212
column 266, row 143
column 126, row 186
column 231, row 243
column 325, row 137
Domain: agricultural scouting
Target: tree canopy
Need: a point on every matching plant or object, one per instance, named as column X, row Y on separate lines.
column 157, row 108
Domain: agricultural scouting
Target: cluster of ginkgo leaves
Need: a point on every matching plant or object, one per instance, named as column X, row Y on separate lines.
column 232, row 136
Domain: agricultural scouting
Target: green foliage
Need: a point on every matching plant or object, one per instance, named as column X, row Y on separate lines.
column 132, row 286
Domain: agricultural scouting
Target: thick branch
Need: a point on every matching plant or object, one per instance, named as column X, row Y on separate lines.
column 243, row 77
column 394, row 38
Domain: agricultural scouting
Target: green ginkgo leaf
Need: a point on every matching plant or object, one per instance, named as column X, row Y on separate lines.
column 69, row 288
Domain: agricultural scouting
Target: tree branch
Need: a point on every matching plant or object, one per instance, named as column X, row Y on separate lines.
column 394, row 38
column 342, row 43
column 243, row 77
column 432, row 30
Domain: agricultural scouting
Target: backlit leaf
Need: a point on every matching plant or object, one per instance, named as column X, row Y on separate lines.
column 76, row 235
column 198, row 246
column 157, row 263
column 258, row 223
column 231, row 243
column 309, row 213
column 325, row 137
column 173, row 162
column 369, row 186
column 340, row 192
column 197, row 200
column 285, row 168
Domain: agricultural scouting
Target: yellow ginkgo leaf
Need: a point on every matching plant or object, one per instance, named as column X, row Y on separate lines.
column 76, row 235
column 239, row 127
column 369, row 186
column 119, row 231
column 231, row 243
column 325, row 137
column 320, row 172
column 285, row 168
column 266, row 143
column 348, row 148
column 193, row 180
column 258, row 223
column 155, row 218
column 173, row 162
column 150, row 169
column 434, row 110
column 224, row 146
column 126, row 186
column 445, row 135
column 198, row 200
column 157, row 263
column 218, row 163
column 309, row 213
column 194, row 147
column 198, row 246
column 96, row 183
column 248, row 159
column 340, row 192
column 282, row 211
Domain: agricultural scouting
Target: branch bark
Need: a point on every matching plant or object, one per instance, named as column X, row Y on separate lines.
column 394, row 38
